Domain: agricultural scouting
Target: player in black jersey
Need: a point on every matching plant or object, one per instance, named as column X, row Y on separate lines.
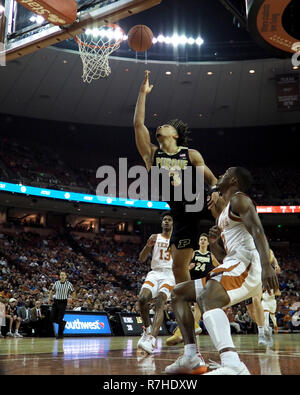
column 202, row 263
column 203, row 260
column 175, row 159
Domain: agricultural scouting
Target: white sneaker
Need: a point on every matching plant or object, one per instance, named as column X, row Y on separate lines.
column 148, row 344
column 184, row 365
column 10, row 334
column 262, row 341
column 143, row 338
column 228, row 370
column 17, row 335
column 269, row 336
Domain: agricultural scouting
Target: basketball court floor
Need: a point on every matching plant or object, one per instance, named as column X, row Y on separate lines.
column 119, row 355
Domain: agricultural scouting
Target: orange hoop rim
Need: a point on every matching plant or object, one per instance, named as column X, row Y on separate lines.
column 112, row 25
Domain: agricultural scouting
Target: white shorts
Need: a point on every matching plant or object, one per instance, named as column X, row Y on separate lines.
column 199, row 285
column 160, row 281
column 240, row 276
column 269, row 305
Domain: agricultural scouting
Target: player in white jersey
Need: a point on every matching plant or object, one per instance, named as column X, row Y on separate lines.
column 158, row 283
column 239, row 242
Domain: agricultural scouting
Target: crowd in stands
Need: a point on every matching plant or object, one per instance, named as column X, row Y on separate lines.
column 35, row 165
column 106, row 273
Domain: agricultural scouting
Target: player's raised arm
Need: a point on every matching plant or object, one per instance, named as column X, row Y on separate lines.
column 147, row 249
column 243, row 206
column 142, row 136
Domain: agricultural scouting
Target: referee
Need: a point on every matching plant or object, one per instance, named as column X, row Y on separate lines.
column 61, row 290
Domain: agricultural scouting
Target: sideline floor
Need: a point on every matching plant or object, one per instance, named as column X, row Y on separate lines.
column 119, row 355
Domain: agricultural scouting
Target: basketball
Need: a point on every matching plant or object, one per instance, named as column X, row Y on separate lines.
column 140, row 38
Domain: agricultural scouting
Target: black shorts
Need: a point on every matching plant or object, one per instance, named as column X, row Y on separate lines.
column 186, row 230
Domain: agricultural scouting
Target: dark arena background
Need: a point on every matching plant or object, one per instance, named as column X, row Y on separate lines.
column 230, row 69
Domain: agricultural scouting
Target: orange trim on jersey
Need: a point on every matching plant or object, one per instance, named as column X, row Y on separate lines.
column 234, row 282
column 230, row 282
column 203, row 281
column 149, row 282
column 220, row 269
column 233, row 217
column 169, row 287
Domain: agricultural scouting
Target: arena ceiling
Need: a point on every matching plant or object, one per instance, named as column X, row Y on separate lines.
column 228, row 82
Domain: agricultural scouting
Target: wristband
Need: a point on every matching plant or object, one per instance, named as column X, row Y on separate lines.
column 213, row 189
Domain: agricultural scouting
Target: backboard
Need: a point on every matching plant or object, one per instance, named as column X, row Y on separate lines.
column 24, row 32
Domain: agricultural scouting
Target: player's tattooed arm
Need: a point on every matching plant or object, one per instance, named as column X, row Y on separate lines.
column 147, row 249
column 142, row 135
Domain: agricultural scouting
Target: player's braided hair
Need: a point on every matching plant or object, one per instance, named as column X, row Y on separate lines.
column 182, row 130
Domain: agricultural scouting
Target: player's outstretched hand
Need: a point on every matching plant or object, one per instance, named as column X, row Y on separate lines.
column 269, row 279
column 212, row 200
column 146, row 88
column 214, row 233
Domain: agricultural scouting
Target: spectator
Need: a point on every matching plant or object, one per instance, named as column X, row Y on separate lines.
column 24, row 314
column 231, row 317
column 249, row 323
column 36, row 318
column 2, row 315
column 240, row 320
column 12, row 315
column 170, row 319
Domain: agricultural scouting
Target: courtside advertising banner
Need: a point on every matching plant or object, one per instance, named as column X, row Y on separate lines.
column 85, row 324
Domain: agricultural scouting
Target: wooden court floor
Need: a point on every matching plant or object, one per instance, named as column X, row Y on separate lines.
column 119, row 355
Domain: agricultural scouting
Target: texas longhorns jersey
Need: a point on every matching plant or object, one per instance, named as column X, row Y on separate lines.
column 234, row 233
column 161, row 255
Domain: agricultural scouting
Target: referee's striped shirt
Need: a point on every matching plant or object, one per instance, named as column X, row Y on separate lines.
column 62, row 290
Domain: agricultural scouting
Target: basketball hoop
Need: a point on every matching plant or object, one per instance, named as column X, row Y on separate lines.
column 95, row 45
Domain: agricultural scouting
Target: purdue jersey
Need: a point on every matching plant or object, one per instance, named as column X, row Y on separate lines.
column 161, row 254
column 174, row 169
column 203, row 264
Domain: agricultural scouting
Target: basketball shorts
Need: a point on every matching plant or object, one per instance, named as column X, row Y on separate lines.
column 160, row 281
column 269, row 305
column 240, row 276
column 186, row 230
column 199, row 284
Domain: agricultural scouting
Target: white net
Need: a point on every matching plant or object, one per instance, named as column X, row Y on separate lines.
column 95, row 46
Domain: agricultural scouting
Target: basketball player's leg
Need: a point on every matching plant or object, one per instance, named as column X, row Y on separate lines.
column 274, row 320
column 197, row 313
column 258, row 309
column 181, row 261
column 160, row 302
column 211, row 300
column 181, row 306
column 181, row 297
column 264, row 335
column 191, row 361
column 143, row 300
